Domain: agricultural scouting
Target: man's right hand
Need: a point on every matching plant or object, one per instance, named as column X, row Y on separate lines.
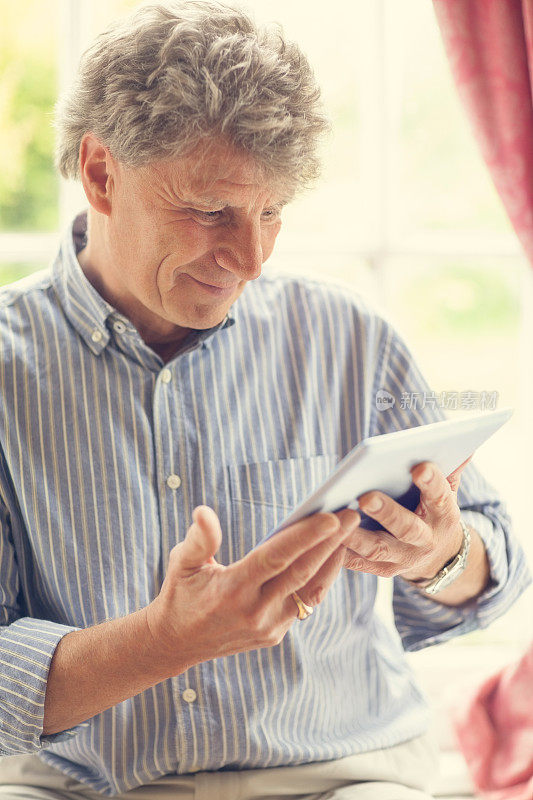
column 205, row 610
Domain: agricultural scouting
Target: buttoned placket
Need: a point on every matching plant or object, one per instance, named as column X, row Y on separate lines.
column 171, row 453
column 174, row 449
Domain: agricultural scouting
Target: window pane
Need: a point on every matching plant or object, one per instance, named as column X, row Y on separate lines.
column 105, row 11
column 10, row 272
column 29, row 186
column 463, row 321
column 327, row 212
column 440, row 181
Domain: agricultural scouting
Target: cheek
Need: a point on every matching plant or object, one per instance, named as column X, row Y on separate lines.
column 178, row 247
column 185, row 242
column 268, row 239
column 195, row 240
column 133, row 239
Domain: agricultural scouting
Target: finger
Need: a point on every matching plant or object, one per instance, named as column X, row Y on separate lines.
column 380, row 546
column 435, row 491
column 300, row 572
column 396, row 519
column 349, row 518
column 316, row 589
column 358, row 563
column 282, row 549
column 201, row 542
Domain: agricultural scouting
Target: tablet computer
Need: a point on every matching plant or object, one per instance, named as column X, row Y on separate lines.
column 384, row 463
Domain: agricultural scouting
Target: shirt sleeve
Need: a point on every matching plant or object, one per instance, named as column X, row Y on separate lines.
column 26, row 649
column 405, row 401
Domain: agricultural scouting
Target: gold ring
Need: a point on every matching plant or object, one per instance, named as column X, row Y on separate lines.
column 304, row 610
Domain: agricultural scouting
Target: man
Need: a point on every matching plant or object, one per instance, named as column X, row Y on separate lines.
column 164, row 406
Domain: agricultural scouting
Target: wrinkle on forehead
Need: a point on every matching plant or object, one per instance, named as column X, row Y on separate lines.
column 213, row 174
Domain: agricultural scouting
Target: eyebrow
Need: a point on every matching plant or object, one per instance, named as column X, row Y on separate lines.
column 212, row 203
column 205, row 202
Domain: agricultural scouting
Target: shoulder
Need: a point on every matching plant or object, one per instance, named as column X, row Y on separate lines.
column 279, row 295
column 330, row 317
column 19, row 304
column 14, row 296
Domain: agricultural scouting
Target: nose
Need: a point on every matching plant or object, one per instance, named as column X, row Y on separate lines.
column 241, row 250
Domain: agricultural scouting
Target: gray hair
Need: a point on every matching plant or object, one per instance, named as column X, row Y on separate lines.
column 169, row 75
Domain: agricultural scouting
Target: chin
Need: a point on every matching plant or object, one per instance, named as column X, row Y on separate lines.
column 202, row 318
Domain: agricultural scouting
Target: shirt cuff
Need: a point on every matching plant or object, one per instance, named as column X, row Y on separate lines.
column 422, row 621
column 509, row 572
column 26, row 650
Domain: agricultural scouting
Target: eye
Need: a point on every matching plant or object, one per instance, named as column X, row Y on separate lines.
column 208, row 216
column 271, row 214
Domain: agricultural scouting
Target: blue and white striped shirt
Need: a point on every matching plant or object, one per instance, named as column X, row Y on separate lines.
column 104, row 452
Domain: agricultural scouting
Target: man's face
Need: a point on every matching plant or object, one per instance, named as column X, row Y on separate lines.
column 184, row 237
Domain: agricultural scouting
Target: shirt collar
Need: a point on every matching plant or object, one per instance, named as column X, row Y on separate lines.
column 86, row 309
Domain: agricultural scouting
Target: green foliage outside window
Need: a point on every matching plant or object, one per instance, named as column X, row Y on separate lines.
column 11, row 272
column 455, row 300
column 29, row 186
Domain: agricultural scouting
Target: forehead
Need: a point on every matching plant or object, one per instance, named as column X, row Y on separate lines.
column 215, row 173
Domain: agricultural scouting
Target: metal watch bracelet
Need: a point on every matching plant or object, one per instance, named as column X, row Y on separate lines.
column 450, row 571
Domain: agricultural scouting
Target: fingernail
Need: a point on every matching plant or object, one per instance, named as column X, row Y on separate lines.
column 374, row 504
column 330, row 525
column 426, row 475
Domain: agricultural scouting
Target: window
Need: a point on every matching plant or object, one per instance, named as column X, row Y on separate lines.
column 29, row 187
column 406, row 212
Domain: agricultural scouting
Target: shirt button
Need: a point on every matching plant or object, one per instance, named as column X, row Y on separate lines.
column 96, row 336
column 166, row 375
column 119, row 326
column 189, row 695
column 173, row 481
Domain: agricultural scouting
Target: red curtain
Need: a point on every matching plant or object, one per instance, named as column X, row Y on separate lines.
column 490, row 47
column 495, row 731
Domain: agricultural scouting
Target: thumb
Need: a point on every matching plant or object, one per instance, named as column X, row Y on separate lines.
column 202, row 541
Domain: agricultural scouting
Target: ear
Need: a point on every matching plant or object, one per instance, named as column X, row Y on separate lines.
column 97, row 170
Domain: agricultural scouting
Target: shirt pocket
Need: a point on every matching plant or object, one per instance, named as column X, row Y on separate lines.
column 263, row 494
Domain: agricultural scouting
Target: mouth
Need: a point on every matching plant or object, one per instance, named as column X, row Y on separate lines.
column 219, row 291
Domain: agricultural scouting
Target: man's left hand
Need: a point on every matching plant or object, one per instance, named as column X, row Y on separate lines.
column 415, row 545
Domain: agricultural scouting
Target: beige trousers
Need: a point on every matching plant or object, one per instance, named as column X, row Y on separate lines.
column 397, row 773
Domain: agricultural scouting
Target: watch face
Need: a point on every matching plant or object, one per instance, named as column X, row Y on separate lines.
column 443, row 582
column 450, row 574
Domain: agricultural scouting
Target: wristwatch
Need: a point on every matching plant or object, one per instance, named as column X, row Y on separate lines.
column 450, row 571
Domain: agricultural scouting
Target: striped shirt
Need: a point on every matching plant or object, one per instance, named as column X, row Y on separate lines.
column 104, row 453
